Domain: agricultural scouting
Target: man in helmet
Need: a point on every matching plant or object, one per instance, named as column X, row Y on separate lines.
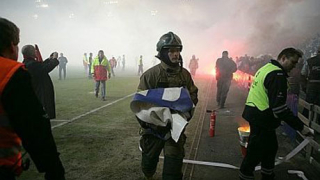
column 169, row 73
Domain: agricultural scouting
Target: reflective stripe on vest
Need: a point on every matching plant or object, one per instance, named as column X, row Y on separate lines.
column 10, row 143
column 258, row 96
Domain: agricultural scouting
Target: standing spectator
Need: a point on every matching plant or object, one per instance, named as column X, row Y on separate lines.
column 41, row 80
column 62, row 66
column 123, row 62
column 85, row 63
column 169, row 73
column 101, row 71
column 23, row 121
column 119, row 61
column 193, row 65
column 140, row 66
column 89, row 65
column 225, row 68
column 311, row 74
column 265, row 109
column 113, row 64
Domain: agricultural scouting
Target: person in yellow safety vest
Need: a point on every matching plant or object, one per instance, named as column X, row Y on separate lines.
column 22, row 118
column 101, row 71
column 265, row 108
column 85, row 62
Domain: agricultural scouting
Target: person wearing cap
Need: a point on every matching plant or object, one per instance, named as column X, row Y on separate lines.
column 23, row 122
column 311, row 74
column 264, row 110
column 168, row 73
column 225, row 67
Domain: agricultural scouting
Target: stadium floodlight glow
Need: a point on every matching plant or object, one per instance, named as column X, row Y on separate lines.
column 38, row 1
column 35, row 16
column 71, row 16
column 153, row 12
column 44, row 5
column 111, row 2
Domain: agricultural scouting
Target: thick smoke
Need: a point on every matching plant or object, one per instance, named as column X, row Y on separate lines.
column 133, row 27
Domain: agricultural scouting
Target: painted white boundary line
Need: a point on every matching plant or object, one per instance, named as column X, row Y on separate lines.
column 92, row 111
column 224, row 165
column 58, row 120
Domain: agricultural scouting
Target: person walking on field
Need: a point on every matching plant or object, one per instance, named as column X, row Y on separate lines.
column 101, row 71
column 113, row 64
column 23, row 122
column 225, row 68
column 168, row 74
column 264, row 110
column 140, row 66
column 193, row 65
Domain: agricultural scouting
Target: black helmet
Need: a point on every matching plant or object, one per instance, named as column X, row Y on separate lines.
column 169, row 40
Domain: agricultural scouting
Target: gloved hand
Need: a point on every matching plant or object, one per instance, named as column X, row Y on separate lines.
column 109, row 76
column 306, row 131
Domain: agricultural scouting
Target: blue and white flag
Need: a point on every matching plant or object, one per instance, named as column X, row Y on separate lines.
column 154, row 106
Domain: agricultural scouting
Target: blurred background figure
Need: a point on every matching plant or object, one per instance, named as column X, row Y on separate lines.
column 193, row 65
column 123, row 63
column 225, row 68
column 140, row 66
column 62, row 66
column 85, row 63
column 89, row 65
column 113, row 64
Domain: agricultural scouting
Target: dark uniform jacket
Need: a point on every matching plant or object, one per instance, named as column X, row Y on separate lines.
column 225, row 68
column 30, row 123
column 164, row 76
column 276, row 86
column 42, row 83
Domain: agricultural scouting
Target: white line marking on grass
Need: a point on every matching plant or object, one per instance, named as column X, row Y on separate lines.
column 92, row 111
column 58, row 120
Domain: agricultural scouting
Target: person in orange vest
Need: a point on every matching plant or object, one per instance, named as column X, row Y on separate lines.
column 101, row 71
column 23, row 121
column 113, row 64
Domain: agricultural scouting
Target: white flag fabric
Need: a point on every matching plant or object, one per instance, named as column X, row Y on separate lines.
column 155, row 106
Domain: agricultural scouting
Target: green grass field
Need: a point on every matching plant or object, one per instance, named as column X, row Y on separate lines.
column 103, row 144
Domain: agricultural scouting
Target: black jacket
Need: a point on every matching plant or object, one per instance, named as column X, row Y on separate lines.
column 30, row 122
column 276, row 88
column 42, row 82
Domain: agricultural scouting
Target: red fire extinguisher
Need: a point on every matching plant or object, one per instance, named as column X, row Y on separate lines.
column 213, row 117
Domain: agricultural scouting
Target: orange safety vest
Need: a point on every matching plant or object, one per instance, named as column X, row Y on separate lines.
column 10, row 143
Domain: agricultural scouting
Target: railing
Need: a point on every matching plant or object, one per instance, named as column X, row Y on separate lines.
column 313, row 149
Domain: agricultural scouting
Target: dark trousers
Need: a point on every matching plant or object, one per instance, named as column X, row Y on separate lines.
column 64, row 69
column 262, row 148
column 103, row 88
column 223, row 86
column 6, row 174
column 173, row 156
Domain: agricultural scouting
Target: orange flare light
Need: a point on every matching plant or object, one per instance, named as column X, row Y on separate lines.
column 244, row 129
